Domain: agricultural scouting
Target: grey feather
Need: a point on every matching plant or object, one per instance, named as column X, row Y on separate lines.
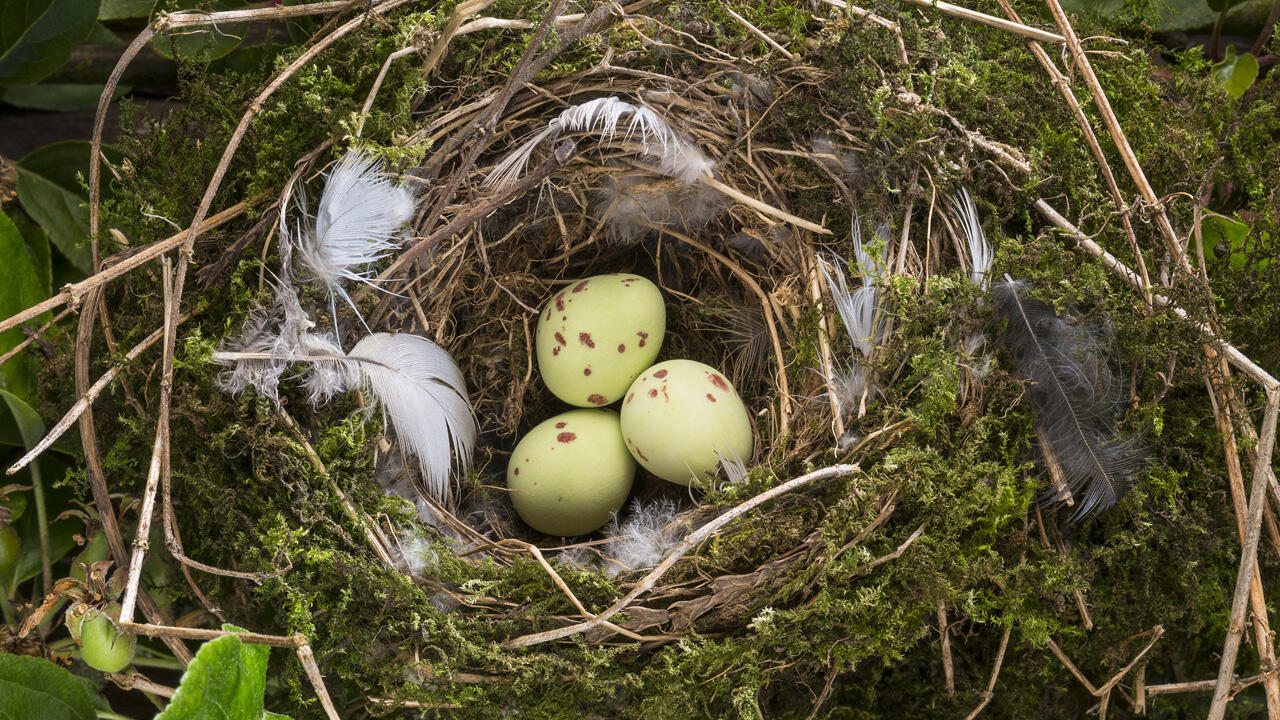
column 1074, row 396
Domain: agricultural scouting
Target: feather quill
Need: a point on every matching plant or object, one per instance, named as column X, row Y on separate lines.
column 1074, row 397
column 676, row 156
column 357, row 223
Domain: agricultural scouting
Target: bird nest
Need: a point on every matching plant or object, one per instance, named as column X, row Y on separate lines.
column 892, row 490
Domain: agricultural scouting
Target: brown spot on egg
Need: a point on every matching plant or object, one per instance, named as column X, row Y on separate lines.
column 660, row 374
column 555, row 350
column 586, row 371
column 559, row 304
column 585, row 339
column 643, row 336
column 641, row 454
column 711, row 397
column 566, row 437
column 560, row 339
column 581, row 286
column 653, row 392
column 597, row 399
column 560, row 425
column 517, row 472
column 630, row 396
column 719, row 382
column 622, row 347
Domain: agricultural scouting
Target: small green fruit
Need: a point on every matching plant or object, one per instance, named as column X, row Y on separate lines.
column 9, row 547
column 680, row 417
column 102, row 644
column 571, row 473
column 597, row 335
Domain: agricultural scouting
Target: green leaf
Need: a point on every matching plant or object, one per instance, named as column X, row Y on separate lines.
column 102, row 35
column 20, row 289
column 201, row 44
column 226, row 681
column 36, row 688
column 1222, row 236
column 36, row 36
column 17, row 504
column 1236, row 73
column 37, row 242
column 58, row 97
column 125, row 9
column 49, row 190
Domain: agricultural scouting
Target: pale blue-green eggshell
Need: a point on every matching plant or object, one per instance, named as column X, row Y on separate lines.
column 597, row 335
column 680, row 417
column 568, row 475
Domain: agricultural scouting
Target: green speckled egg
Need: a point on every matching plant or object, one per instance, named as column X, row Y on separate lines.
column 570, row 473
column 597, row 335
column 678, row 414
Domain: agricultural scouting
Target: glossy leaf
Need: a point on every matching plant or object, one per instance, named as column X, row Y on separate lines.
column 57, row 97
column 36, row 36
column 20, row 289
column 50, row 191
column 1236, row 73
column 1224, row 237
column 201, row 44
column 38, row 252
column 125, row 9
column 36, row 688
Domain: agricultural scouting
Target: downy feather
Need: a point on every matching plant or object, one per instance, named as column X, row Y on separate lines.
column 358, row 222
column 643, row 539
column 676, row 156
column 1074, row 397
column 632, row 204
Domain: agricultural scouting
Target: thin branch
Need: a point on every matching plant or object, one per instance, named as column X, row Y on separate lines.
column 676, row 553
column 964, row 13
column 995, row 674
column 944, row 632
column 760, row 34
column 1091, row 138
column 1248, row 558
column 1081, row 61
column 32, row 337
column 86, row 399
column 73, row 294
column 1235, row 356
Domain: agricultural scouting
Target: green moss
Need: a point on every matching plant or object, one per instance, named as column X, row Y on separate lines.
column 250, row 497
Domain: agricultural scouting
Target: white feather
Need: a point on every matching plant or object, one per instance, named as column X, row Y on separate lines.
column 980, row 251
column 358, row 222
column 423, row 393
column 857, row 309
column 414, row 380
column 643, row 539
column 280, row 332
column 676, row 156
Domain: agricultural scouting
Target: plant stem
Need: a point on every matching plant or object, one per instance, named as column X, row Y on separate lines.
column 42, row 520
column 5, row 607
column 1216, row 38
